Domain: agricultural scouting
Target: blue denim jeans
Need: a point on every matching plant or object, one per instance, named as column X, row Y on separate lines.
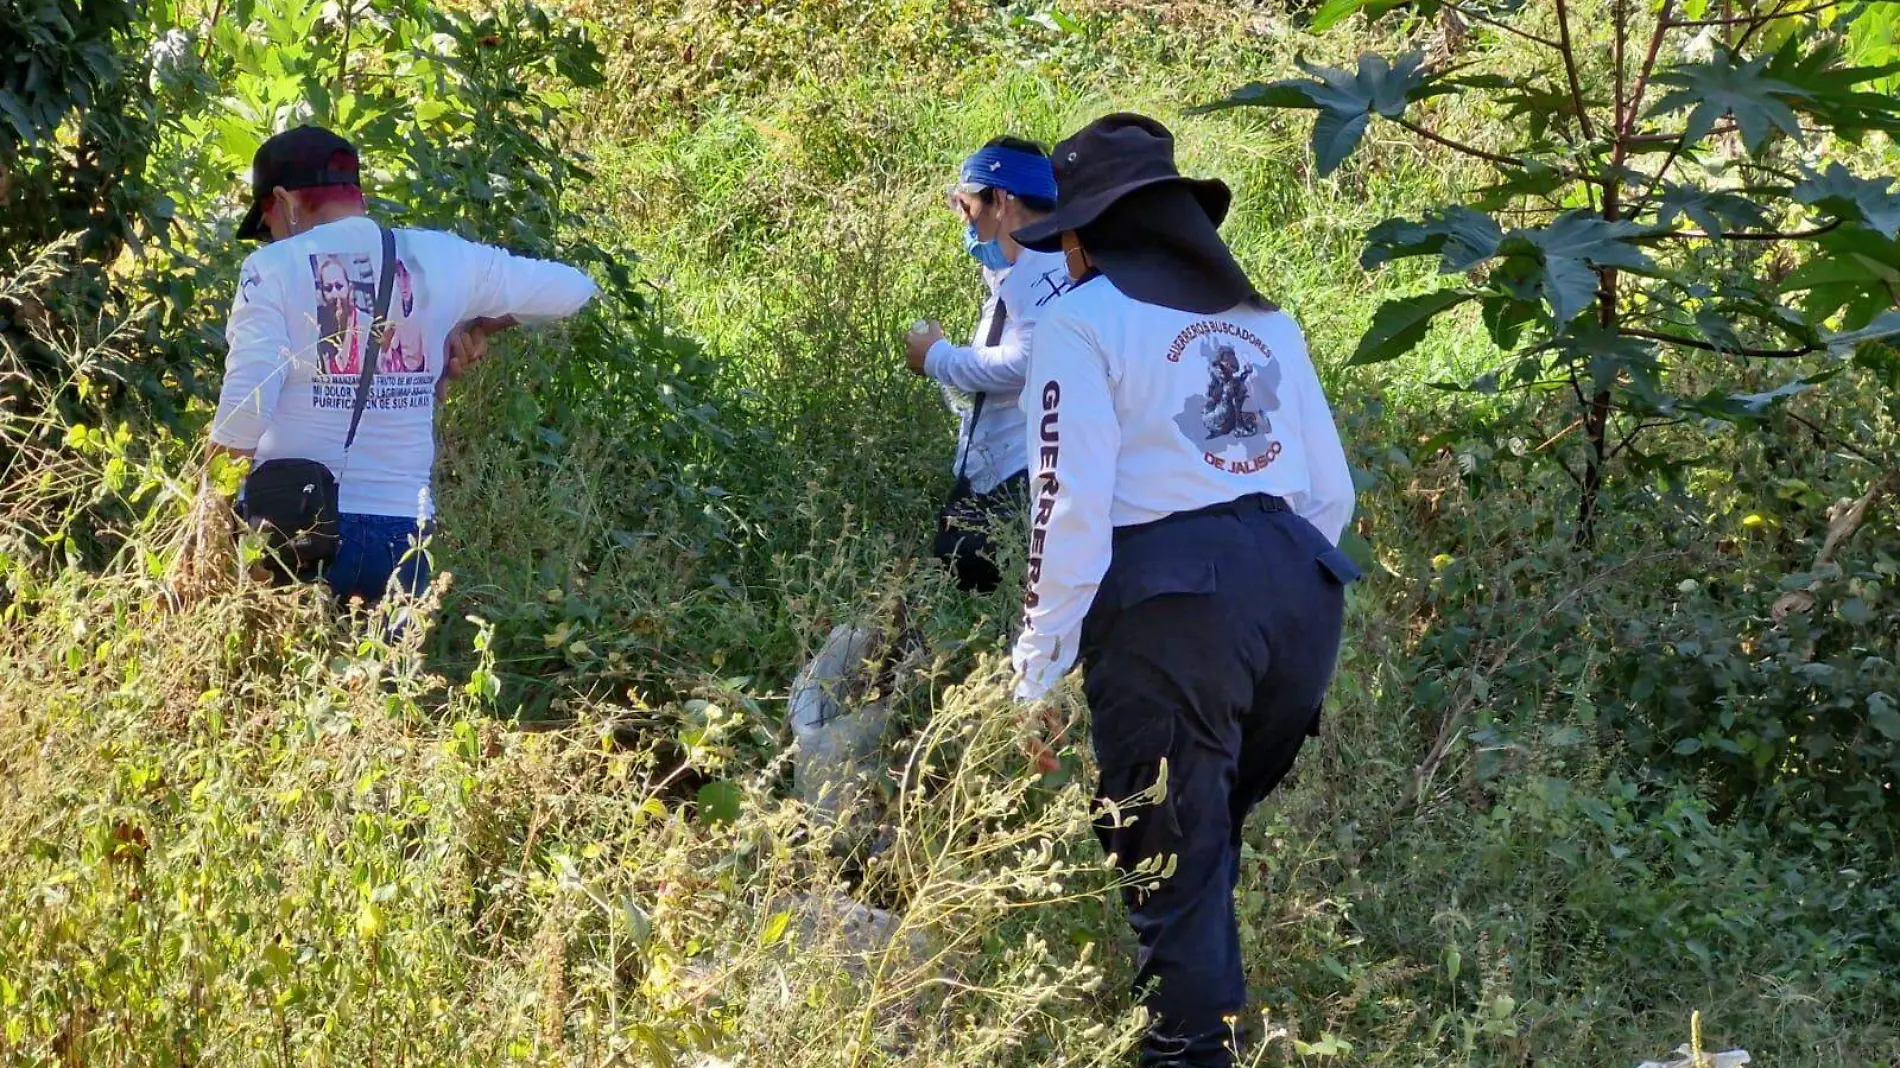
column 372, row 550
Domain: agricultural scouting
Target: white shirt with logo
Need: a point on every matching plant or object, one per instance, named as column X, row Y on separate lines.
column 993, row 441
column 1137, row 412
column 297, row 334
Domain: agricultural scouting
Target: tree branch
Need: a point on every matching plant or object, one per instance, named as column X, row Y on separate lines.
column 1619, row 61
column 217, row 13
column 1778, row 12
column 1760, row 235
column 1845, row 446
column 1655, row 184
column 1479, row 16
column 1630, row 438
column 1491, row 157
column 1742, row 20
column 1663, row 26
column 1459, row 146
column 1570, row 69
column 1643, row 140
column 1757, row 165
column 1693, row 343
column 1558, row 436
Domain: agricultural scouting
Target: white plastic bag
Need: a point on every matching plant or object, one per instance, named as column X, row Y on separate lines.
column 838, row 737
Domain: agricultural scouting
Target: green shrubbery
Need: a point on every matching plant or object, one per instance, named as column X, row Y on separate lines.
column 1560, row 800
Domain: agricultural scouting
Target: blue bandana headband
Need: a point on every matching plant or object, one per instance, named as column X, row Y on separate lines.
column 1012, row 170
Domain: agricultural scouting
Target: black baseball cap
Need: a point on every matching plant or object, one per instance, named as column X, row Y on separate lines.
column 303, row 158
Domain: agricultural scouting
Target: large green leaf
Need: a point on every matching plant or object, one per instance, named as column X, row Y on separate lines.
column 1291, row 93
column 1721, row 87
column 1885, row 328
column 720, row 801
column 1535, row 104
column 1856, row 274
column 1565, row 256
column 1716, row 211
column 1400, row 324
column 1335, row 135
column 1607, row 358
column 1535, row 180
column 1834, row 90
column 1874, row 39
column 1506, row 319
column 1333, row 12
column 1873, row 202
column 1719, row 329
column 1345, row 100
column 1749, row 407
column 1464, row 238
column 1379, row 85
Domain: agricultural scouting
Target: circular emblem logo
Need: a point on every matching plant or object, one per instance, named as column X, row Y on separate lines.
column 1235, row 409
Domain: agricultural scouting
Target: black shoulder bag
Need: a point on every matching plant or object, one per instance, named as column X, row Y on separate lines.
column 294, row 501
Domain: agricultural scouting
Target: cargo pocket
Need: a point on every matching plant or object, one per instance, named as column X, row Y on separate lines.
column 1137, row 819
column 1148, row 579
column 1127, row 725
column 1335, row 563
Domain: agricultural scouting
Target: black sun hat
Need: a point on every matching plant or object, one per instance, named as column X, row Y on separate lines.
column 1104, row 162
column 304, row 158
column 1151, row 232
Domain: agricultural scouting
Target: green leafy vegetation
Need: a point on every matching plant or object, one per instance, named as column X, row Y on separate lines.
column 1569, row 791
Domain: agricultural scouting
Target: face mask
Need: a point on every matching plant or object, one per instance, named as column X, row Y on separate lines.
column 987, row 253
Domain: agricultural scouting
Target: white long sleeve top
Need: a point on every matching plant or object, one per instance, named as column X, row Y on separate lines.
column 296, row 339
column 1137, row 412
column 994, row 364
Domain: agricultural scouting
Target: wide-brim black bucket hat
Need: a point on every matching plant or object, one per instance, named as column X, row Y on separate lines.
column 1104, row 162
column 1153, row 233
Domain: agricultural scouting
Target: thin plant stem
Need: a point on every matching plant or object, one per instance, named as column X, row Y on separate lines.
column 1570, row 70
column 1741, row 20
column 1481, row 17
column 1663, row 26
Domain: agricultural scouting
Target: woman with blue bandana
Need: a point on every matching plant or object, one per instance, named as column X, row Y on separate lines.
column 1002, row 187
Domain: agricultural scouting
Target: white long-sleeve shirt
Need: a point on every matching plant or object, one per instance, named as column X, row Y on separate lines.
column 994, row 364
column 1137, row 412
column 296, row 337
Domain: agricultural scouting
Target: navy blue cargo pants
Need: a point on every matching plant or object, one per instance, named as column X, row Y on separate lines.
column 1208, row 649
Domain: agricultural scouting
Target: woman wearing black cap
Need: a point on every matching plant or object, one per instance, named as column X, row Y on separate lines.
column 1188, row 498
column 341, row 336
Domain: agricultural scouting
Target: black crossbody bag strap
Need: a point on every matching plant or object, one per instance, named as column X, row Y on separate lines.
column 379, row 323
column 993, row 339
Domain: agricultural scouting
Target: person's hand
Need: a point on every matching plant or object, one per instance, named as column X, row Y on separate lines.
column 917, row 343
column 467, row 345
column 1044, row 733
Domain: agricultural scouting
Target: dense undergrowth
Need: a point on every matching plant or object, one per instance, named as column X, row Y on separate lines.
column 1561, row 800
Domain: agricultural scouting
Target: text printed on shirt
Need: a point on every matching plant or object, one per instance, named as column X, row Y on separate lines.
column 1047, row 488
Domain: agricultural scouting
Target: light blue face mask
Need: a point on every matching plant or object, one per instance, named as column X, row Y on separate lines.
column 987, row 253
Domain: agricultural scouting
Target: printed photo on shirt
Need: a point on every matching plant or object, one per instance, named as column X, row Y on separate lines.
column 345, row 297
column 346, row 302
column 1242, row 390
column 405, row 328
